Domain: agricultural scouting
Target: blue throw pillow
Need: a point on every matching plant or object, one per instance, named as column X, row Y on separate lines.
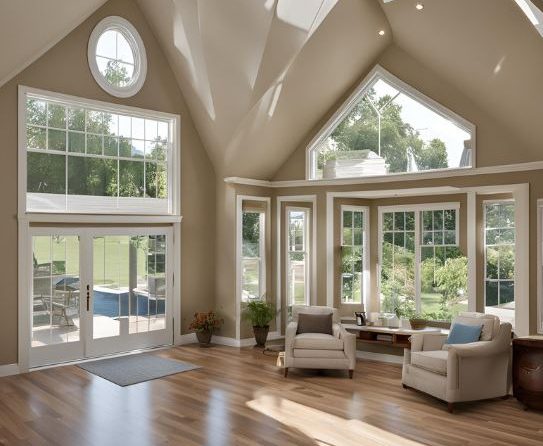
column 464, row 334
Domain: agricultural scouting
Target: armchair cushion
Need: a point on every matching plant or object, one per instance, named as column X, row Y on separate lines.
column 315, row 323
column 464, row 334
column 434, row 361
column 318, row 341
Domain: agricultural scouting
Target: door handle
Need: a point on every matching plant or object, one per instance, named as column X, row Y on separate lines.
column 88, row 297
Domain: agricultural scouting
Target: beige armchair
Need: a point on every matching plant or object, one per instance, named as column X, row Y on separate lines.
column 461, row 372
column 318, row 350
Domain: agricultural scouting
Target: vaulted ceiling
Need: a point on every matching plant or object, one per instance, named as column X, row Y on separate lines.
column 259, row 74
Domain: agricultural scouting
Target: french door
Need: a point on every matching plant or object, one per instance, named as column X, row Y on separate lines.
column 96, row 291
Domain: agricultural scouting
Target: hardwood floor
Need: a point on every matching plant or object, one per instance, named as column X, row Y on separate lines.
column 239, row 397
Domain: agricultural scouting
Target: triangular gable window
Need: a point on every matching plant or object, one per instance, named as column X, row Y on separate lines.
column 387, row 127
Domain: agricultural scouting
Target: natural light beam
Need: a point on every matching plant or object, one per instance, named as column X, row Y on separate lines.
column 325, row 429
column 533, row 13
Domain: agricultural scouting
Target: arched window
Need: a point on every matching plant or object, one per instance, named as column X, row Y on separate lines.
column 387, row 127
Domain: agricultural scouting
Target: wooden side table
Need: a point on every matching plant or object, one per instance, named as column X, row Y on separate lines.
column 528, row 372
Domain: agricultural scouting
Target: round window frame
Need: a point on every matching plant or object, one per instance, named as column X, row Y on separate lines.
column 130, row 33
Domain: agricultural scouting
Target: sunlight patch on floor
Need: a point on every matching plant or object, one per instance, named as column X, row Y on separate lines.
column 325, row 429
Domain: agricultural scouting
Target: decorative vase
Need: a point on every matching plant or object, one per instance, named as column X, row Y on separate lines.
column 204, row 337
column 261, row 335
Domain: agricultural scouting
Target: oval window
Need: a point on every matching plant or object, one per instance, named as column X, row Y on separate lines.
column 117, row 57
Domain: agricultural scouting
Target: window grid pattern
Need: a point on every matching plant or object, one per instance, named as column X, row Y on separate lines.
column 252, row 260
column 128, row 154
column 297, row 274
column 399, row 233
column 352, row 255
column 500, row 254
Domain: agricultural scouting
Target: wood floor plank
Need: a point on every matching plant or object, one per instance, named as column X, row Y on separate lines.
column 240, row 397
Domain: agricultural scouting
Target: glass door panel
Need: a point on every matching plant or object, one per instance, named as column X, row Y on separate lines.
column 55, row 290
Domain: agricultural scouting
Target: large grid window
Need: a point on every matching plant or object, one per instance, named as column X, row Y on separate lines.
column 499, row 220
column 352, row 255
column 90, row 159
column 422, row 268
column 297, row 256
column 253, row 260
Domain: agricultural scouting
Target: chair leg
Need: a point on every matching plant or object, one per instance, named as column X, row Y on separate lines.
column 286, row 372
column 351, row 373
column 450, row 407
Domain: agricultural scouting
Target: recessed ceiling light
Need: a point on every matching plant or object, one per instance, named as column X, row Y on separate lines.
column 382, row 32
column 419, row 6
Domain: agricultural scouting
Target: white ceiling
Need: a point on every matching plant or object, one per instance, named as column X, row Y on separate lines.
column 258, row 75
column 28, row 28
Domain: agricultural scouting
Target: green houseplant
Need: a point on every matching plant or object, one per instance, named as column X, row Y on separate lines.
column 204, row 324
column 260, row 313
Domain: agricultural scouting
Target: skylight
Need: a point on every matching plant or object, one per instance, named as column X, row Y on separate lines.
column 533, row 13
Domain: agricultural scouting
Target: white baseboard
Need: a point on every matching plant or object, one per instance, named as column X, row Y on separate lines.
column 381, row 357
column 9, row 369
column 190, row 338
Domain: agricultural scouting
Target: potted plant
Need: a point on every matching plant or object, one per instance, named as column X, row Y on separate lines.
column 204, row 324
column 260, row 313
column 418, row 321
column 405, row 311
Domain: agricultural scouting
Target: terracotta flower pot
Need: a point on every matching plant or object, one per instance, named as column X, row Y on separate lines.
column 204, row 337
column 261, row 335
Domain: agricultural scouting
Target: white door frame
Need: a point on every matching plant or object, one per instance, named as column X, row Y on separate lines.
column 87, row 347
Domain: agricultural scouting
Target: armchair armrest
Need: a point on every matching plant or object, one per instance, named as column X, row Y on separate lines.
column 476, row 349
column 290, row 334
column 349, row 346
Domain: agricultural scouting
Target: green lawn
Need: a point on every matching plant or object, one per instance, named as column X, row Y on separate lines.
column 110, row 261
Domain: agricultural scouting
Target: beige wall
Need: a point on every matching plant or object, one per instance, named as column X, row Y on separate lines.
column 493, row 141
column 64, row 69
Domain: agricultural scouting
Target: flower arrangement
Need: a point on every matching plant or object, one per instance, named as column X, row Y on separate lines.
column 205, row 322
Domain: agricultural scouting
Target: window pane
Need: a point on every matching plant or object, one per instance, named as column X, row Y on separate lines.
column 36, row 112
column 388, row 221
column 94, row 144
column 500, row 259
column 56, row 139
column 56, row 116
column 131, row 179
column 76, row 119
column 36, row 138
column 399, row 221
column 450, row 219
column 76, row 142
column 438, row 220
column 46, row 173
column 92, row 176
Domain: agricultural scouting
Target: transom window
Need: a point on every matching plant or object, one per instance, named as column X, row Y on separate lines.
column 422, row 267
column 95, row 158
column 387, row 127
column 499, row 220
column 117, row 57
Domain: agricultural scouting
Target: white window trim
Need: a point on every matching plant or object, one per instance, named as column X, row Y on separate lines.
column 312, row 200
column 173, row 164
column 365, row 253
column 239, row 239
column 498, row 281
column 135, row 41
column 417, row 209
column 307, row 252
column 354, row 98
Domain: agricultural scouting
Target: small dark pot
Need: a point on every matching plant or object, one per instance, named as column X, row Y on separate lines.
column 261, row 335
column 418, row 323
column 204, row 337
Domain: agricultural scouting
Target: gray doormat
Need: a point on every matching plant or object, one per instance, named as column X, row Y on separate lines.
column 133, row 369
